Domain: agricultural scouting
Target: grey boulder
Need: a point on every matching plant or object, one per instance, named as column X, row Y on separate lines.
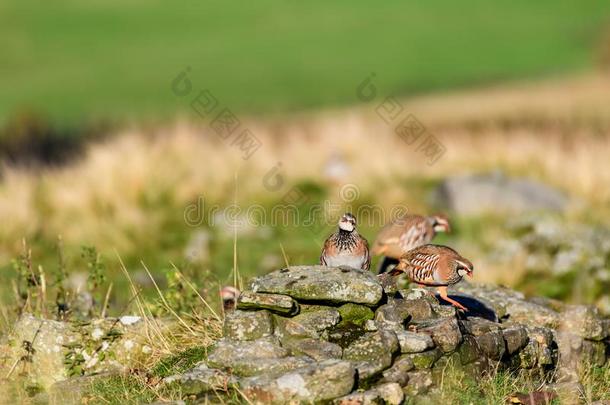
column 321, row 283
column 478, row 194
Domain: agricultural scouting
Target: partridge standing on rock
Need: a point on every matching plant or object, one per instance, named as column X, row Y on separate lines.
column 346, row 247
column 435, row 266
column 405, row 233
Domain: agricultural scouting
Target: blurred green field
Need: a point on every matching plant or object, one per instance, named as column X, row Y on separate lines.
column 78, row 61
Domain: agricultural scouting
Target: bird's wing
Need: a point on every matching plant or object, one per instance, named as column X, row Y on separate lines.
column 419, row 233
column 328, row 248
column 389, row 238
column 367, row 261
column 382, row 239
column 361, row 249
column 422, row 265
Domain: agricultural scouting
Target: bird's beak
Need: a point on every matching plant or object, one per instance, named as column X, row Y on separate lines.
column 469, row 274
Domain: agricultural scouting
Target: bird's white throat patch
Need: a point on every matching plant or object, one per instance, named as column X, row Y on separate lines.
column 346, row 226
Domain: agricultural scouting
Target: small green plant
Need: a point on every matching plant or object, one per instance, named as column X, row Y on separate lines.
column 96, row 272
column 61, row 298
column 95, row 267
column 74, row 360
column 29, row 287
column 178, row 296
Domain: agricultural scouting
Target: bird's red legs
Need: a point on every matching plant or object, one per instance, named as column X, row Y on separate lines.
column 443, row 293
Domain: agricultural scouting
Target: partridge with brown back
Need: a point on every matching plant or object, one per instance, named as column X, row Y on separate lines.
column 435, row 266
column 346, row 247
column 405, row 233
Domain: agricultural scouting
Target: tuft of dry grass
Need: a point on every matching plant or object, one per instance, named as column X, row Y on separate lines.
column 193, row 330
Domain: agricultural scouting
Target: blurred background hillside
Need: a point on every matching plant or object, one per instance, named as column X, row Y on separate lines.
column 121, row 128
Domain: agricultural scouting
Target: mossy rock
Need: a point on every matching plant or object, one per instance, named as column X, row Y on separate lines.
column 425, row 360
column 355, row 314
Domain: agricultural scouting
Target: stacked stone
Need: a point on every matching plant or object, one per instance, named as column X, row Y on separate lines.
column 312, row 333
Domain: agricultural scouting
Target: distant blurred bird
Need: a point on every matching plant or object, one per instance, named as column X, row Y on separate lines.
column 405, row 233
column 346, row 247
column 435, row 266
column 229, row 296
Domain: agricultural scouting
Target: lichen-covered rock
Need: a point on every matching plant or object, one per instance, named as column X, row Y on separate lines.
column 492, row 344
column 399, row 372
column 419, row 383
column 278, row 303
column 372, row 352
column 199, row 380
column 112, row 344
column 445, row 333
column 367, row 369
column 325, row 381
column 469, row 351
column 250, row 367
column 515, row 338
column 319, row 320
column 425, row 359
column 583, row 321
column 391, row 393
column 372, row 346
column 52, row 351
column 576, row 352
column 528, row 356
column 247, row 325
column 593, row 353
column 418, row 309
column 442, row 311
column 344, row 335
column 388, row 393
column 411, row 342
column 539, row 350
column 369, row 397
column 479, row 326
column 512, row 305
column 227, row 352
column 308, row 324
column 392, row 315
column 321, row 283
column 47, row 340
column 315, row 348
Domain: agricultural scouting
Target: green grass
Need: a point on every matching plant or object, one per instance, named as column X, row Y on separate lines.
column 121, row 390
column 126, row 389
column 78, row 61
column 179, row 363
column 456, row 387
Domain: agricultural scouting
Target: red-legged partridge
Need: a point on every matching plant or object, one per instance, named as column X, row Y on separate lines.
column 346, row 247
column 405, row 233
column 435, row 266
